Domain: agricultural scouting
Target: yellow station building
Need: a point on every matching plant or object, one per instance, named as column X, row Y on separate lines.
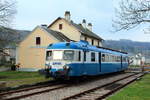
column 30, row 53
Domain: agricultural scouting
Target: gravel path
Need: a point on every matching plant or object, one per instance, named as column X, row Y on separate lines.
column 31, row 91
column 97, row 93
column 68, row 91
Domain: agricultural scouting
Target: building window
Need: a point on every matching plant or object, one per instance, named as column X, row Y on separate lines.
column 98, row 43
column 38, row 40
column 60, row 26
column 85, row 39
column 92, row 42
column 92, row 57
column 82, row 37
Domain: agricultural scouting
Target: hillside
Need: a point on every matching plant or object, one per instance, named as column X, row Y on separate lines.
column 132, row 47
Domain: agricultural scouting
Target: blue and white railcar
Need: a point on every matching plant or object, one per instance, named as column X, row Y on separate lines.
column 71, row 59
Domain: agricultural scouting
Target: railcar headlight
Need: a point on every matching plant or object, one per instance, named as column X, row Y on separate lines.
column 48, row 66
column 46, row 62
column 65, row 67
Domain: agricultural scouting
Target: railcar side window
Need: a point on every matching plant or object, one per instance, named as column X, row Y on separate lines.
column 113, row 58
column 48, row 55
column 118, row 58
column 68, row 55
column 92, row 56
column 124, row 59
column 107, row 58
column 103, row 58
column 110, row 58
column 84, row 56
column 79, row 56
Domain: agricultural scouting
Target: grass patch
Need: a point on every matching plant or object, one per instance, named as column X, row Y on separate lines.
column 15, row 78
column 139, row 90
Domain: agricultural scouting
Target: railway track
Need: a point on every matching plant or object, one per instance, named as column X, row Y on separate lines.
column 29, row 88
column 26, row 92
column 48, row 88
column 103, row 91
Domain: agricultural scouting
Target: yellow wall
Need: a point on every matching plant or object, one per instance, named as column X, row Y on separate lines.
column 95, row 42
column 82, row 37
column 30, row 55
column 71, row 32
column 89, row 39
column 67, row 29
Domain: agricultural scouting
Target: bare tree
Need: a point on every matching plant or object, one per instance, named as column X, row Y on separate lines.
column 7, row 12
column 131, row 13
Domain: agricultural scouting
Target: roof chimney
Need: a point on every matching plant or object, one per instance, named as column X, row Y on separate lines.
column 67, row 15
column 84, row 23
column 89, row 26
column 44, row 25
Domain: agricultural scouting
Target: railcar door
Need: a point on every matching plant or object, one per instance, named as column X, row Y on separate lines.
column 121, row 61
column 84, row 63
column 99, row 56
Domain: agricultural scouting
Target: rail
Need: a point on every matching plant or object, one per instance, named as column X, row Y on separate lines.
column 7, row 95
column 92, row 94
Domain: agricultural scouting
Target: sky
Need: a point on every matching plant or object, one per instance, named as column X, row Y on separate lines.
column 98, row 12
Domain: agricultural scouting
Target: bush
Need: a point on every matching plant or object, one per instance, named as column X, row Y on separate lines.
column 5, row 63
column 13, row 67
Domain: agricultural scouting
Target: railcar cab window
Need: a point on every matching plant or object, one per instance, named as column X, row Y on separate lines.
column 68, row 55
column 57, row 55
column 60, row 55
column 48, row 55
column 92, row 57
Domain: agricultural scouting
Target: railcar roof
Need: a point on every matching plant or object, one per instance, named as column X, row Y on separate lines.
column 82, row 45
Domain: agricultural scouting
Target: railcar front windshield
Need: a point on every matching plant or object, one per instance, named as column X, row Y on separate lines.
column 57, row 55
column 60, row 55
column 68, row 55
column 48, row 55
